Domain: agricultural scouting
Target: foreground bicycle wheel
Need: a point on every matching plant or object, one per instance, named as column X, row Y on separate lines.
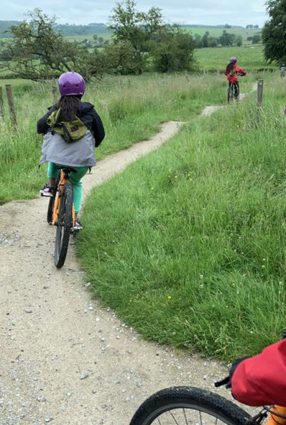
column 186, row 406
column 64, row 226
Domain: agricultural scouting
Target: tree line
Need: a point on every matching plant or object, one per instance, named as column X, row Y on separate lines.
column 225, row 40
column 140, row 41
column 65, row 29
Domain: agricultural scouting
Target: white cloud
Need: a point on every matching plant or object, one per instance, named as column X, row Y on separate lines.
column 208, row 12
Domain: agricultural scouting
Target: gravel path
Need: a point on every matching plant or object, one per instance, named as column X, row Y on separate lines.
column 64, row 359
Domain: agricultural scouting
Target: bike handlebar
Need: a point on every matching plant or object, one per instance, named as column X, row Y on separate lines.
column 225, row 381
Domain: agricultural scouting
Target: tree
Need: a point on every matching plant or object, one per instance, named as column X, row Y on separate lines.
column 174, row 51
column 197, row 41
column 256, row 39
column 121, row 58
column 227, row 39
column 274, row 32
column 238, row 40
column 147, row 39
column 136, row 29
column 39, row 52
column 205, row 39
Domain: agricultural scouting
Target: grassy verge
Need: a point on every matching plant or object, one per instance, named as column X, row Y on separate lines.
column 131, row 108
column 188, row 244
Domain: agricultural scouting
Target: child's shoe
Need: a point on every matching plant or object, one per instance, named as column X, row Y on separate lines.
column 77, row 226
column 47, row 191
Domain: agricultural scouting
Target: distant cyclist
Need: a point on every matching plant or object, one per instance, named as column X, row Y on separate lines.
column 232, row 72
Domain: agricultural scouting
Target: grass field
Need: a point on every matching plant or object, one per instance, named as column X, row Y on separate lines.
column 250, row 57
column 131, row 108
column 217, row 31
column 188, row 244
column 212, row 30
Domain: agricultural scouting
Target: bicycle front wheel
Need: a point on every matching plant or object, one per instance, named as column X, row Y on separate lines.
column 64, row 225
column 188, row 405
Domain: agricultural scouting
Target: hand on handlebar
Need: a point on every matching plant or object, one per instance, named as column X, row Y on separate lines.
column 227, row 380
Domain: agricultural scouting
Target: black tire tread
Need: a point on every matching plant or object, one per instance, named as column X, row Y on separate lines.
column 50, row 209
column 61, row 244
column 195, row 398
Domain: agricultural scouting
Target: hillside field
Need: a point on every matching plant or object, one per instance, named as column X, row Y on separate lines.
column 249, row 57
column 216, row 31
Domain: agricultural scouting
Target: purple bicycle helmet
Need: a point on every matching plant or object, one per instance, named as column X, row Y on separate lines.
column 71, row 84
column 233, row 60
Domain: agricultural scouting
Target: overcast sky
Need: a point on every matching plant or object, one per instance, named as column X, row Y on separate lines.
column 206, row 12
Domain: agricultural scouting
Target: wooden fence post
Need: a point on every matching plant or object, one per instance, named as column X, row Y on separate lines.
column 11, row 104
column 1, row 103
column 259, row 93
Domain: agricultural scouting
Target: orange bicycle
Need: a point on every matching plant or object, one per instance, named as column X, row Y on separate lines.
column 61, row 213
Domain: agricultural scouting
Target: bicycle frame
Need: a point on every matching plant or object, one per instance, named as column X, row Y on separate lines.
column 277, row 416
column 60, row 189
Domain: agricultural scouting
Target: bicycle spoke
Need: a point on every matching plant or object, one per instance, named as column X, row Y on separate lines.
column 185, row 416
column 175, row 421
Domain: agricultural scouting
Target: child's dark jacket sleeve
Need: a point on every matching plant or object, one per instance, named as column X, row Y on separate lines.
column 97, row 129
column 92, row 120
column 261, row 380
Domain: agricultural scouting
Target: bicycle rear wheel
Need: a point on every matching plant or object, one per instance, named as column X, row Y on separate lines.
column 188, row 405
column 64, row 226
column 230, row 94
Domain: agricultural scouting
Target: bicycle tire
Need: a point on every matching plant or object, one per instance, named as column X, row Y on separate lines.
column 237, row 93
column 176, row 405
column 63, row 226
column 230, row 94
column 50, row 209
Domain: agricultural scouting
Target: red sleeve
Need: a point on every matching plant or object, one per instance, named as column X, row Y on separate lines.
column 261, row 379
column 240, row 70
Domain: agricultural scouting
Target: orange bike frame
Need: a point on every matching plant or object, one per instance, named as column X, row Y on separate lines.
column 277, row 416
column 57, row 203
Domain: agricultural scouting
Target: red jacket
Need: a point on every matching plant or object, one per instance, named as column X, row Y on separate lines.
column 232, row 73
column 261, row 379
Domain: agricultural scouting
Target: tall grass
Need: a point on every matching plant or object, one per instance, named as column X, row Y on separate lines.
column 131, row 109
column 188, row 244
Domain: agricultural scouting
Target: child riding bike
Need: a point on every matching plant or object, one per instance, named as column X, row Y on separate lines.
column 232, row 72
column 72, row 129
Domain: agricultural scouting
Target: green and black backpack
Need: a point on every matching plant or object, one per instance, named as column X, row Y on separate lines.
column 71, row 131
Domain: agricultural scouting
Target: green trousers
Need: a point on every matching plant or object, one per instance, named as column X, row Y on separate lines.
column 75, row 179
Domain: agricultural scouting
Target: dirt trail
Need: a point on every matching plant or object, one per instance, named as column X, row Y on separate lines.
column 64, row 359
